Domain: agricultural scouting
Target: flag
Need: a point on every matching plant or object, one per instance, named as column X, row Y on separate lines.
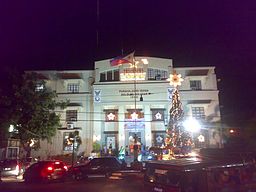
column 122, row 59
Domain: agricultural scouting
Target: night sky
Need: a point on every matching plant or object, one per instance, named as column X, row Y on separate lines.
column 59, row 35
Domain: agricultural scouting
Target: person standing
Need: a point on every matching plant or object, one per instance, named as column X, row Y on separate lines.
column 126, row 150
column 110, row 149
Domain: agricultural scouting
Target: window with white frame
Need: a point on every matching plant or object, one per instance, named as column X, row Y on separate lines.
column 159, row 138
column 71, row 115
column 134, row 115
column 157, row 114
column 12, row 152
column 109, row 75
column 67, row 143
column 150, row 73
column 39, row 87
column 111, row 115
column 116, row 75
column 73, row 88
column 156, row 74
column 198, row 112
column 195, row 85
column 102, row 77
column 112, row 75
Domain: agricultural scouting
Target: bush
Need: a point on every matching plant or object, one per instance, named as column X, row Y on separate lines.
column 96, row 147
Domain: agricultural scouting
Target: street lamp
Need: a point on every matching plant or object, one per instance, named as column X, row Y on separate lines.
column 193, row 126
column 73, row 149
column 231, row 131
column 76, row 141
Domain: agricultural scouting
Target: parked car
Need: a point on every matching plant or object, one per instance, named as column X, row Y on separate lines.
column 158, row 153
column 103, row 166
column 28, row 161
column 11, row 167
column 45, row 171
column 197, row 175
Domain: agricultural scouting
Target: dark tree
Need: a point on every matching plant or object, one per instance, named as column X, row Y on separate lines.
column 29, row 106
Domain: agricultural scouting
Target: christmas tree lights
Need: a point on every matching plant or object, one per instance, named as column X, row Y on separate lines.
column 177, row 139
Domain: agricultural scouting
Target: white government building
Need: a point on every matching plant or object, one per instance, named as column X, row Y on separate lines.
column 109, row 104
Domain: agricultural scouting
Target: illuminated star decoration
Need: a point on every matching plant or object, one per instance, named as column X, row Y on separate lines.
column 32, row 143
column 158, row 115
column 134, row 115
column 175, row 79
column 111, row 117
column 159, row 139
column 200, row 138
column 134, row 64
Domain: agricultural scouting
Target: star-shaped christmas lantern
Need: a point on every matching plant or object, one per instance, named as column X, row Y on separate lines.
column 158, row 116
column 175, row 79
column 134, row 115
column 159, row 139
column 200, row 138
column 111, row 117
column 134, row 64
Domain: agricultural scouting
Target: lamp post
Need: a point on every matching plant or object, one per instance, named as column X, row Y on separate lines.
column 73, row 151
column 76, row 140
column 193, row 126
column 135, row 146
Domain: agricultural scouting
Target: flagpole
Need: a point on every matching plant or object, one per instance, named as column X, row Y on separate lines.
column 131, row 60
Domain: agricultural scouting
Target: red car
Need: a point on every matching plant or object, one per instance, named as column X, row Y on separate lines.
column 45, row 171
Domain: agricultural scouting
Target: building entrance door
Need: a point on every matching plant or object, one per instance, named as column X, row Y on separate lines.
column 130, row 139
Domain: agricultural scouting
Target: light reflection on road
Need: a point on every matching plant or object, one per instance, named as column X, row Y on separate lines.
column 121, row 184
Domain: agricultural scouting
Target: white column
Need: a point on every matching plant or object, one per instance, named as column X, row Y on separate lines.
column 148, row 134
column 88, row 126
column 97, row 124
column 121, row 132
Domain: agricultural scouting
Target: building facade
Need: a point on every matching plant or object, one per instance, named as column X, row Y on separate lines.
column 76, row 88
column 111, row 104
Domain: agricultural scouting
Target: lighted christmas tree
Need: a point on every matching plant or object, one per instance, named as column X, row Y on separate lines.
column 177, row 139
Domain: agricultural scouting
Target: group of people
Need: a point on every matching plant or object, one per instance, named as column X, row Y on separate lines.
column 123, row 151
column 108, row 151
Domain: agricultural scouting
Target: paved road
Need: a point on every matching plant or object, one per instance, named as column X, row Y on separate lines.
column 128, row 184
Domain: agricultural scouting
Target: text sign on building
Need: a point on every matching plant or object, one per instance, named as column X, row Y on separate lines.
column 133, row 125
column 132, row 93
column 131, row 74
